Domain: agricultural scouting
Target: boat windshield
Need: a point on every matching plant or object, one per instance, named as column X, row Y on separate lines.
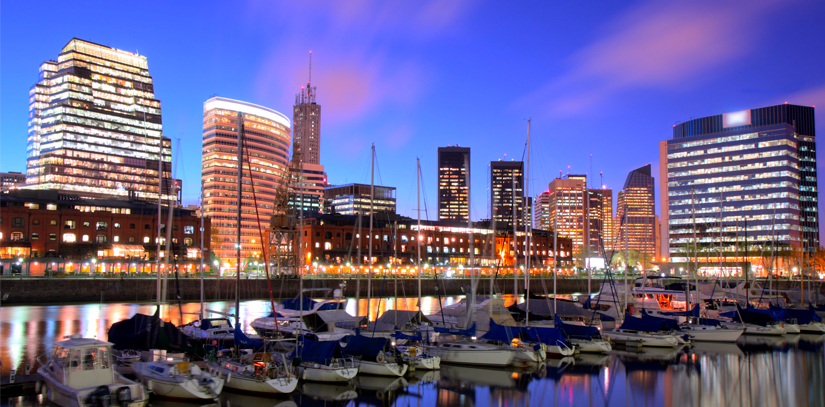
column 82, row 358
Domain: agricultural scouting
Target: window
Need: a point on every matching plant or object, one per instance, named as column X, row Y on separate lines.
column 51, row 207
column 187, row 241
column 86, row 224
column 53, row 222
column 99, row 238
column 35, row 236
column 131, row 226
column 35, row 221
column 117, row 225
column 145, row 239
column 69, row 238
column 131, row 239
column 317, row 245
column 52, row 236
column 116, row 239
column 328, row 235
column 317, row 234
column 101, row 226
column 16, row 236
column 85, row 238
column 17, row 223
column 146, row 226
column 70, row 225
column 188, row 230
column 175, row 228
column 327, row 246
column 348, row 236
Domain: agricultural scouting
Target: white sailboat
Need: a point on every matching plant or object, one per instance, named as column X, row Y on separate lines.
column 260, row 372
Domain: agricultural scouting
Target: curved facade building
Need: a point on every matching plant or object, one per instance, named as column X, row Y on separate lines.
column 266, row 139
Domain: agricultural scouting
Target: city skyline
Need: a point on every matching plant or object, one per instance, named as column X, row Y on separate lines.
column 371, row 92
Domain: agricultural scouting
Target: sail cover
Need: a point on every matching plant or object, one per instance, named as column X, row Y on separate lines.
column 755, row 316
column 144, row 332
column 547, row 336
column 501, row 333
column 643, row 325
column 321, row 352
column 358, row 345
column 400, row 335
column 576, row 331
column 244, row 341
column 464, row 332
column 802, row 316
column 671, row 324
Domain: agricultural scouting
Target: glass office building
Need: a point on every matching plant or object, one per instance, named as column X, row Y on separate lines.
column 635, row 214
column 95, row 126
column 752, row 173
column 454, row 183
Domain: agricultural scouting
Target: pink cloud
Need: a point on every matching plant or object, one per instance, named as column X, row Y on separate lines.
column 661, row 44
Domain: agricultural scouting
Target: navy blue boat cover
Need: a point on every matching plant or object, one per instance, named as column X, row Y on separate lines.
column 244, row 341
column 400, row 335
column 643, row 325
column 576, row 331
column 358, row 345
column 501, row 333
column 548, row 336
column 761, row 317
column 144, row 332
column 308, row 303
column 321, row 352
column 671, row 324
column 471, row 331
column 802, row 316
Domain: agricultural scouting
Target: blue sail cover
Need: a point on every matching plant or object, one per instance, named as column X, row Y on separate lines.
column 576, row 331
column 295, row 304
column 802, row 316
column 358, row 345
column 692, row 313
column 501, row 333
column 400, row 335
column 671, row 324
column 463, row 332
column 547, row 336
column 244, row 341
column 643, row 325
column 321, row 352
column 755, row 316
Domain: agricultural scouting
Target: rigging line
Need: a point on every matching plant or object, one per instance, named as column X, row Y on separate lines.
column 424, row 194
column 264, row 251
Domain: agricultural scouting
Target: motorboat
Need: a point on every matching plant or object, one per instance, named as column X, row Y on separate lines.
column 259, row 372
column 80, row 372
column 374, row 356
column 322, row 361
column 179, row 379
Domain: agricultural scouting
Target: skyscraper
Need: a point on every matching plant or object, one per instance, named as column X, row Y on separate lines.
column 265, row 136
column 541, row 212
column 567, row 209
column 635, row 213
column 507, row 190
column 95, row 126
column 306, row 119
column 601, row 220
column 453, row 183
column 758, row 162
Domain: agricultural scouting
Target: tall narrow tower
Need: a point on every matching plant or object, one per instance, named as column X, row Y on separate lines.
column 306, row 122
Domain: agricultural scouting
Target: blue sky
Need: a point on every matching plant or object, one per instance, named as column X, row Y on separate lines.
column 603, row 78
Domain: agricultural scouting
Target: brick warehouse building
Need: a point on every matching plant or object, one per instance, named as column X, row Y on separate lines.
column 335, row 240
column 62, row 229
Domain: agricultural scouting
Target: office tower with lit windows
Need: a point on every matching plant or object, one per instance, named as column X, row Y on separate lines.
column 567, row 209
column 601, row 220
column 351, row 199
column 635, row 213
column 453, row 183
column 306, row 124
column 309, row 189
column 265, row 136
column 760, row 163
column 507, row 190
column 541, row 212
column 95, row 126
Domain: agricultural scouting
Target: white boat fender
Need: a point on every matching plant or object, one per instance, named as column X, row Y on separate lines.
column 380, row 358
column 228, row 377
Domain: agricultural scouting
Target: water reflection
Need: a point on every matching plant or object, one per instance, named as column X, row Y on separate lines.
column 758, row 371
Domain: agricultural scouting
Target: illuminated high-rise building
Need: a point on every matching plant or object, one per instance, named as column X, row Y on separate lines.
column 266, row 137
column 306, row 124
column 567, row 209
column 95, row 126
column 507, row 190
column 761, row 163
column 541, row 212
column 635, row 213
column 600, row 210
column 453, row 183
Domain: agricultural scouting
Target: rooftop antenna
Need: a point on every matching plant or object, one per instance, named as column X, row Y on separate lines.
column 310, row 69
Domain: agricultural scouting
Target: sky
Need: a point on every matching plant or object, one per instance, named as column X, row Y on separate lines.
column 601, row 82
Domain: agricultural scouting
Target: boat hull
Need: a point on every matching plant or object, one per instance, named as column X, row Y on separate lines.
column 423, row 362
column 714, row 335
column 592, row 346
column 473, row 357
column 328, row 374
column 812, row 328
column 66, row 396
column 646, row 339
column 278, row 385
column 381, row 369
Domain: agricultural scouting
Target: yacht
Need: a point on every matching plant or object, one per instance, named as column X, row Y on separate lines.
column 80, row 372
column 260, row 372
column 322, row 361
column 178, row 379
column 470, row 352
column 652, row 333
column 371, row 355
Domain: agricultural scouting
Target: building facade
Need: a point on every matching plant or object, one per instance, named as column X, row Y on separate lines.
column 567, row 209
column 507, row 192
column 635, row 213
column 309, row 190
column 600, row 216
column 351, row 199
column 64, row 228
column 95, row 126
column 11, row 180
column 306, row 119
column 266, row 137
column 454, row 183
column 541, row 212
column 752, row 172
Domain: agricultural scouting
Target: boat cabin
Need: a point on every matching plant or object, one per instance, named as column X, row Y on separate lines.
column 82, row 362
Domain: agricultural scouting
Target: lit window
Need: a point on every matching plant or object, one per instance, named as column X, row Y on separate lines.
column 116, row 239
column 85, row 238
column 146, row 239
column 69, row 238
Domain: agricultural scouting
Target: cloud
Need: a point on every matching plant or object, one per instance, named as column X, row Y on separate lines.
column 659, row 45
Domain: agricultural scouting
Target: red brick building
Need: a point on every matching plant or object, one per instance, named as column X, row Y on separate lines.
column 60, row 228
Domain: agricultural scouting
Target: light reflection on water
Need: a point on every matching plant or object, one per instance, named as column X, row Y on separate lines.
column 760, row 371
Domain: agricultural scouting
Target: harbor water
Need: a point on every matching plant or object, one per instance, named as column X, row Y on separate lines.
column 756, row 371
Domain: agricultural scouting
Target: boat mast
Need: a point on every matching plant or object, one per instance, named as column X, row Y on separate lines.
column 527, row 240
column 555, row 249
column 202, row 215
column 238, row 223
column 695, row 251
column 418, row 238
column 515, row 239
column 371, row 237
column 160, row 219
